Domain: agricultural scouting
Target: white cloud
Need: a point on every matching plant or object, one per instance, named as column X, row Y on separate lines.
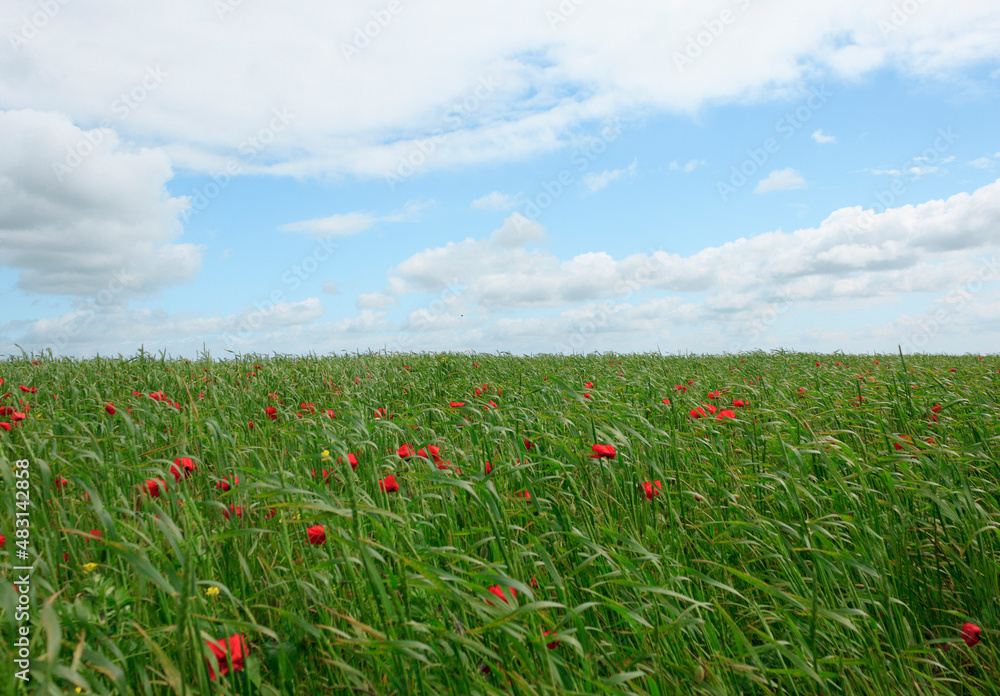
column 780, row 180
column 981, row 162
column 822, row 139
column 76, row 218
column 688, row 166
column 520, row 87
column 374, row 300
column 347, row 224
column 496, row 201
column 595, row 182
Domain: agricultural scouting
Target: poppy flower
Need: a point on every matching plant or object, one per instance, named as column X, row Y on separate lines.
column 681, row 387
column 739, row 403
column 652, row 488
column 524, row 494
column 317, row 535
column 29, row 390
column 802, row 392
column 697, row 412
column 902, row 437
column 61, row 482
column 271, row 412
column 666, row 401
column 380, row 413
column 603, row 451
column 5, row 426
column 711, row 409
column 456, row 404
column 406, row 451
column 157, row 395
column 154, row 486
column 270, row 513
column 528, row 444
column 552, row 645
column 308, row 407
column 489, row 468
column 182, row 464
column 970, row 633
column 110, row 408
column 588, row 385
column 495, row 589
column 352, row 459
column 3, row 541
column 936, row 408
column 725, row 414
column 586, row 395
column 224, row 483
column 250, row 424
column 492, row 404
column 16, row 416
column 229, row 650
column 330, row 413
column 713, row 394
column 233, row 508
column 95, row 534
column 388, row 484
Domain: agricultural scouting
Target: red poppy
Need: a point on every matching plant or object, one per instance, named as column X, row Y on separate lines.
column 902, row 437
column 739, row 403
column 29, row 390
column 603, row 451
column 154, row 486
column 492, row 404
column 725, row 414
column 352, row 459
column 456, row 404
column 110, row 408
column 652, row 488
column 713, row 394
column 380, row 413
column 588, row 385
column 524, row 494
column 271, row 412
column 489, row 468
column 16, row 416
column 586, row 395
column 388, row 484
column 317, row 535
column 95, row 534
column 495, row 589
column 270, row 513
column 232, row 649
column 308, row 407
column 936, row 408
column 681, row 387
column 182, row 464
column 3, row 541
column 802, row 392
column 697, row 412
column 330, row 413
column 224, row 483
column 60, row 482
column 5, row 426
column 711, row 409
column 528, row 444
column 554, row 644
column 406, row 451
column 250, row 424
column 666, row 401
column 157, row 396
column 233, row 508
column 970, row 633
column 433, row 453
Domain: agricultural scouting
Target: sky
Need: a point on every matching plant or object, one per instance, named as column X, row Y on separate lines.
column 524, row 176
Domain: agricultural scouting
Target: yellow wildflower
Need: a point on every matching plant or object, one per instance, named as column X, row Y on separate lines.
column 212, row 591
column 326, row 456
column 89, row 567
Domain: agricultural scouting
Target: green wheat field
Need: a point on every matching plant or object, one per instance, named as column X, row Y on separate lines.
column 763, row 523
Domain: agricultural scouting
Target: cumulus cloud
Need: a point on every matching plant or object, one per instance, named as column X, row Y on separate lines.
column 780, row 180
column 488, row 85
column 83, row 214
column 823, row 139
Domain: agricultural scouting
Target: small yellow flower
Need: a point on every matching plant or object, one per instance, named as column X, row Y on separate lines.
column 212, row 591
column 326, row 456
column 89, row 567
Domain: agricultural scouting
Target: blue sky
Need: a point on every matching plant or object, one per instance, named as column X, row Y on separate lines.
column 536, row 177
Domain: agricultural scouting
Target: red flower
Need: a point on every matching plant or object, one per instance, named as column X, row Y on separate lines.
column 725, row 414
column 492, row 404
column 554, row 644
column 525, row 495
column 271, row 412
column 380, row 413
column 936, row 408
column 586, row 395
column 605, row 451
column 224, row 483
column 902, row 437
column 16, row 416
column 29, row 390
column 588, row 385
column 406, row 451
column 5, row 426
column 495, row 589
column 697, row 412
column 250, row 424
column 233, row 648
column 157, row 396
column 489, row 468
column 185, row 464
column 456, row 404
column 681, row 387
column 154, row 486
column 110, row 408
column 713, row 394
column 711, row 409
column 3, row 541
column 330, row 413
column 433, row 453
column 95, row 534
column 528, row 444
column 317, row 535
column 233, row 508
column 60, row 482
column 388, row 484
column 970, row 633
column 352, row 459
column 652, row 488
column 308, row 407
column 666, row 401
column 739, row 403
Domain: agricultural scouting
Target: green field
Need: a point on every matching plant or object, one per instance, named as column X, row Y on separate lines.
column 832, row 537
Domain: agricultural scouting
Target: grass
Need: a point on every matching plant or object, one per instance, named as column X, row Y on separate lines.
column 832, row 538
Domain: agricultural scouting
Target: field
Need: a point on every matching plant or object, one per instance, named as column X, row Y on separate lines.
column 825, row 525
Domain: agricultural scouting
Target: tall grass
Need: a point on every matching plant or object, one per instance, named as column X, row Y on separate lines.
column 826, row 541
